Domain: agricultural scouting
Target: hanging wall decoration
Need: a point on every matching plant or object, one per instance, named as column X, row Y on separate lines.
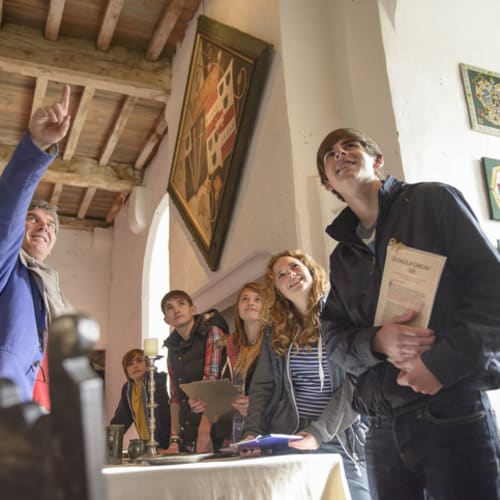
column 482, row 91
column 225, row 83
column 491, row 170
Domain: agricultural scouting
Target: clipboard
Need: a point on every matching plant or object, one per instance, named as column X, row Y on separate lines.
column 218, row 394
column 268, row 440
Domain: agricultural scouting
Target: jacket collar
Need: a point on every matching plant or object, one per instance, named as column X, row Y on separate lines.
column 343, row 227
column 175, row 341
column 202, row 324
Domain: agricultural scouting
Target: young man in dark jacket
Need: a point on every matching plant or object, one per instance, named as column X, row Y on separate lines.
column 194, row 353
column 433, row 428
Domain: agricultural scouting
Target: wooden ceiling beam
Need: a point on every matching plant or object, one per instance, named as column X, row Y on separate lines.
column 152, row 142
column 171, row 13
column 85, row 172
column 77, row 62
column 116, row 207
column 81, row 224
column 109, row 22
column 104, row 182
column 39, row 94
column 73, row 179
column 56, row 194
column 125, row 111
column 85, row 204
column 78, row 122
column 54, row 18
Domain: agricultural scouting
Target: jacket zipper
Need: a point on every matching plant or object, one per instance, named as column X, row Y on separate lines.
column 289, row 377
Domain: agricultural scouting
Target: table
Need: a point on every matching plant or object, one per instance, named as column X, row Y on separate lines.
column 300, row 477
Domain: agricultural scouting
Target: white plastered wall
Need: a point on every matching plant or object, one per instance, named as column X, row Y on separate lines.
column 425, row 42
column 83, row 261
column 389, row 67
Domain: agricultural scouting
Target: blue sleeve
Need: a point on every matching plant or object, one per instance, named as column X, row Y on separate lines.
column 17, row 186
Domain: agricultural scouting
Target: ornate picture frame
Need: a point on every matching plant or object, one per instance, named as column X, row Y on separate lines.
column 491, row 169
column 482, row 92
column 226, row 79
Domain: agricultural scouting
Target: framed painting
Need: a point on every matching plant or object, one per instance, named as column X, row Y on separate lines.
column 482, row 91
column 226, row 79
column 491, row 170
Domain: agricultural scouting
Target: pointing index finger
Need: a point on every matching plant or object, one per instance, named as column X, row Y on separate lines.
column 65, row 98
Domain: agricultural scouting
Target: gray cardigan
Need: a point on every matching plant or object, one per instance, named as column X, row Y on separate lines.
column 273, row 409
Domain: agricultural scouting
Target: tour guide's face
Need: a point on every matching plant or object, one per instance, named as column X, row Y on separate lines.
column 39, row 234
column 178, row 313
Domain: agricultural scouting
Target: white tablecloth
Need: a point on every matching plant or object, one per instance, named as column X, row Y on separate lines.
column 300, row 477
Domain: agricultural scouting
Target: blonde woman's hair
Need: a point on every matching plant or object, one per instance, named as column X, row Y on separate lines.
column 289, row 325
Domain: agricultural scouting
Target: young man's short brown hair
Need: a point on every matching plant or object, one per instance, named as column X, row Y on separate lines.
column 175, row 294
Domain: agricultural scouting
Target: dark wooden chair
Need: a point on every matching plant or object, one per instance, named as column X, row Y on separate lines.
column 57, row 456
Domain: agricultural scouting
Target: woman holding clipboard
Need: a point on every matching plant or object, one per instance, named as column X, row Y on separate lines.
column 242, row 348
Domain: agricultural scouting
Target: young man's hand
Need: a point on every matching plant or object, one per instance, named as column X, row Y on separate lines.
column 399, row 341
column 416, row 375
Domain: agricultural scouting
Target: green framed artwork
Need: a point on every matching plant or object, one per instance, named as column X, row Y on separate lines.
column 491, row 168
column 482, row 91
column 226, row 80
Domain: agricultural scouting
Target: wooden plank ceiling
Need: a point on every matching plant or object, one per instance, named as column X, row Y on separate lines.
column 116, row 55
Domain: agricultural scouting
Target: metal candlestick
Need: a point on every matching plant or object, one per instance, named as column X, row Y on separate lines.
column 152, row 444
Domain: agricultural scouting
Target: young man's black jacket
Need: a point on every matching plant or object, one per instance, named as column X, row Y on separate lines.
column 466, row 314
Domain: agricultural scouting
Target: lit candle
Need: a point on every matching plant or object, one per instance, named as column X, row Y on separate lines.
column 150, row 347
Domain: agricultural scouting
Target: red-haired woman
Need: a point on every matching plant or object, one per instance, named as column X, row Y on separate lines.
column 296, row 388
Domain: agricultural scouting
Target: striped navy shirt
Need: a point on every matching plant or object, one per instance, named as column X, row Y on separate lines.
column 305, row 373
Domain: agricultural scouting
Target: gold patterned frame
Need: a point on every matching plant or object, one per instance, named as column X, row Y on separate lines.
column 226, row 79
column 482, row 91
column 491, row 169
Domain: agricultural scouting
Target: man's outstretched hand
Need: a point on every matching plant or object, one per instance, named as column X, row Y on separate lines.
column 50, row 124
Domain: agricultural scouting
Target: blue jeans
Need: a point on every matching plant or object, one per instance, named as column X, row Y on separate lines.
column 446, row 450
column 355, row 472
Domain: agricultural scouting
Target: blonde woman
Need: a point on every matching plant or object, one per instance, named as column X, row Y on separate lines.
column 243, row 347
